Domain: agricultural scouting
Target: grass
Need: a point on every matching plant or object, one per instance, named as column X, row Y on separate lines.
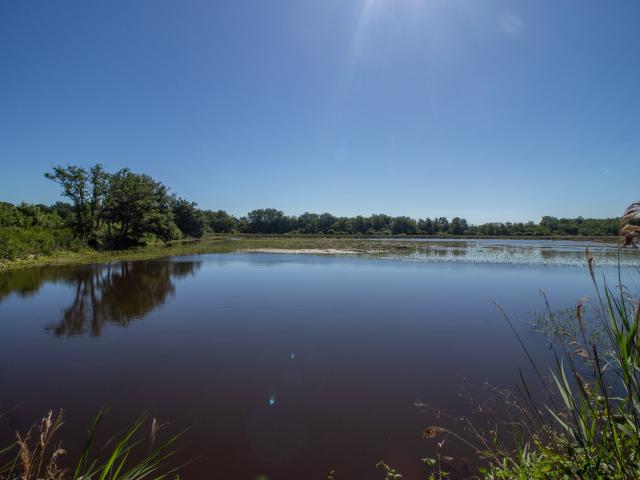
column 36, row 455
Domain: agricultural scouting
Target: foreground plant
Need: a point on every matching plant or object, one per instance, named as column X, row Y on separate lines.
column 592, row 428
column 36, row 456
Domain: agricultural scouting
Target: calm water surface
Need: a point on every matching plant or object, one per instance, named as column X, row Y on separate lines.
column 285, row 366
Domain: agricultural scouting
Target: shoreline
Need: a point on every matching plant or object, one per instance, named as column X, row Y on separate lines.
column 227, row 243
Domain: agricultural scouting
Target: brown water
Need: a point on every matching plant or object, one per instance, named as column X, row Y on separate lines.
column 283, row 366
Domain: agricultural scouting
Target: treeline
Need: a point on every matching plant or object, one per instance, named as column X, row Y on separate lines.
column 272, row 221
column 124, row 209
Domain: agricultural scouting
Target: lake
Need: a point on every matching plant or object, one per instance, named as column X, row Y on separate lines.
column 283, row 366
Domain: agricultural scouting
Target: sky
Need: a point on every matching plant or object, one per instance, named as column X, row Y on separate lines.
column 488, row 110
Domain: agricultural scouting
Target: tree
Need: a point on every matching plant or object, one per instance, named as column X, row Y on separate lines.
column 360, row 225
column 267, row 220
column 441, row 225
column 426, row 226
column 64, row 211
column 325, row 222
column 136, row 205
column 342, row 225
column 308, row 223
column 219, row 221
column 403, row 225
column 188, row 218
column 458, row 226
column 380, row 223
column 86, row 189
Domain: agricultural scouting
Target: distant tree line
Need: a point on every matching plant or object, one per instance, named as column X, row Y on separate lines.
column 272, row 221
column 123, row 209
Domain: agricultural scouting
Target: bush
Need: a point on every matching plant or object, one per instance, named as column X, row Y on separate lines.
column 16, row 242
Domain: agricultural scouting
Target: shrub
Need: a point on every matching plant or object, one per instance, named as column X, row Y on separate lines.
column 16, row 242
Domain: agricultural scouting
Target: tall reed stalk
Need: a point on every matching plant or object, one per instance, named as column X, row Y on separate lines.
column 37, row 456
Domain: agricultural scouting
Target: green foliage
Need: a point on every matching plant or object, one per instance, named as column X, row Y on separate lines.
column 389, row 472
column 188, row 218
column 86, row 190
column 27, row 215
column 33, row 230
column 20, row 242
column 458, row 226
column 272, row 221
column 134, row 206
column 117, row 210
column 551, row 226
column 404, row 226
column 267, row 220
column 219, row 221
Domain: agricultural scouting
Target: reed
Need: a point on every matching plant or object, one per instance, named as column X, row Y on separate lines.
column 36, row 455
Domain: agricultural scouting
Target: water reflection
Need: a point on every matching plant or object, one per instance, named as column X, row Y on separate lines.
column 111, row 294
column 27, row 282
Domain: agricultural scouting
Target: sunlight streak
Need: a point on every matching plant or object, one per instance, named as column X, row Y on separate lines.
column 357, row 41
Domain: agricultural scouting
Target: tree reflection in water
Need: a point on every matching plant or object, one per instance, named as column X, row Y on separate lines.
column 110, row 294
column 118, row 294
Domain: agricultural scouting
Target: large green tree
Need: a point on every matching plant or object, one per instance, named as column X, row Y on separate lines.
column 137, row 205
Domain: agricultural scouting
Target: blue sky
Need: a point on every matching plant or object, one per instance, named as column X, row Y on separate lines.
column 491, row 110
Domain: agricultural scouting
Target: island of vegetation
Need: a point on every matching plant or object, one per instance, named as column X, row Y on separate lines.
column 130, row 212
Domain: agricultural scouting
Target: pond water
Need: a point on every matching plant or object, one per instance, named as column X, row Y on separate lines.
column 282, row 366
